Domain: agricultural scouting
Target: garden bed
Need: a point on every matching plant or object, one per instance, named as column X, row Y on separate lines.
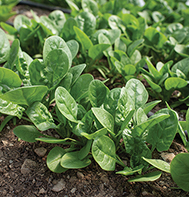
column 24, row 171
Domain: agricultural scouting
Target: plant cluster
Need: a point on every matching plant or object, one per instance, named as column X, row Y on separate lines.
column 45, row 79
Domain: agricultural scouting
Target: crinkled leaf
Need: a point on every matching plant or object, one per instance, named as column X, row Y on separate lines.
column 40, row 116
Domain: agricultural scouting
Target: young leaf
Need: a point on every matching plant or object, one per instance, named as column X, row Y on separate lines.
column 98, row 133
column 137, row 93
column 71, row 160
column 80, row 89
column 152, row 176
column 174, row 83
column 4, row 47
column 11, row 109
column 162, row 134
column 83, row 39
column 25, row 95
column 40, row 116
column 57, row 65
column 74, row 47
column 180, row 170
column 66, row 104
column 160, row 164
column 97, row 93
column 9, row 78
column 105, row 118
column 103, row 151
column 55, row 42
column 85, row 150
column 27, row 133
column 86, row 22
column 90, row 6
column 53, row 159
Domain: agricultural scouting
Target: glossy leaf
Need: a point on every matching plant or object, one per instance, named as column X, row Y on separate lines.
column 83, row 39
column 53, row 159
column 162, row 134
column 71, row 160
column 55, row 42
column 158, row 163
column 103, row 151
column 175, row 83
column 9, row 78
column 57, row 65
column 90, row 6
column 25, row 95
column 40, row 116
column 97, row 93
column 105, row 118
column 66, row 104
column 96, row 51
column 4, row 47
column 86, row 22
column 152, row 176
column 136, row 93
column 74, row 47
column 80, row 88
column 11, row 109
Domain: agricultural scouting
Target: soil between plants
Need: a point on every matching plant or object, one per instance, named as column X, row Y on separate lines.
column 91, row 181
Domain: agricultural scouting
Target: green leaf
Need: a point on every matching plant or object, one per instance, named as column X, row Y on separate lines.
column 40, row 116
column 76, row 71
column 162, row 134
column 129, row 171
column 55, row 42
column 37, row 73
column 175, row 83
column 133, row 46
column 153, row 120
column 96, row 51
column 27, row 133
column 97, row 93
column 104, row 153
column 57, row 65
column 71, row 160
column 21, row 21
column 25, row 95
column 86, row 22
column 180, row 170
column 80, row 88
column 98, row 133
column 160, row 164
column 147, row 177
column 8, row 28
column 85, row 150
column 4, row 47
column 149, row 106
column 68, row 32
column 13, row 54
column 9, row 78
column 137, row 93
column 66, row 104
column 105, row 118
column 83, row 39
column 74, row 47
column 154, row 38
column 11, row 109
column 53, row 159
column 115, row 22
column 90, row 6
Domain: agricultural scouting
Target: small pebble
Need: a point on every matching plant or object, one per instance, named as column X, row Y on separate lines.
column 42, row 191
column 40, row 151
column 80, row 175
column 10, row 161
column 73, row 190
column 59, row 186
